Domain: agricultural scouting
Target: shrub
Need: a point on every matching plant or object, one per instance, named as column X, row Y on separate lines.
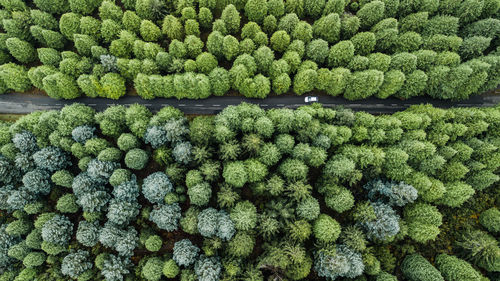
column 341, row 54
column 305, row 81
column 256, row 10
column 293, row 169
column 14, row 77
column 231, row 18
column 59, row 85
column 34, row 259
column 241, row 245
column 67, row 204
column 371, row 13
column 415, row 267
column 308, row 209
column 471, row 47
column 52, row 6
column 206, row 62
column 456, row 194
column 423, row 222
column 393, row 82
column 339, row 200
column 314, row 8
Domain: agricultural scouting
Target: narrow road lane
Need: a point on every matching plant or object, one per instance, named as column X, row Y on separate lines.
column 26, row 103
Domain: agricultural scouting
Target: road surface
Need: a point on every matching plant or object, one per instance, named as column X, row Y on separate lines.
column 25, row 103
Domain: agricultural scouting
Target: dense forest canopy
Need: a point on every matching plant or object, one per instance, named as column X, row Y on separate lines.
column 250, row 194
column 445, row 49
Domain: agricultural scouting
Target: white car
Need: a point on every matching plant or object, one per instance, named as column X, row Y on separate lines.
column 311, row 99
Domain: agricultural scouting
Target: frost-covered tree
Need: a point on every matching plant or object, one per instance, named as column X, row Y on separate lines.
column 58, row 230
column 383, row 224
column 25, row 141
column 83, row 133
column 8, row 172
column 37, row 182
column 177, row 130
column 225, row 226
column 156, row 136
column 101, row 169
column 127, row 190
column 75, row 264
column 398, row 194
column 166, row 216
column 185, row 253
column 6, row 242
column 208, row 268
column 115, row 268
column 207, row 222
column 156, row 186
column 122, row 212
column 87, row 233
column 123, row 241
column 182, row 152
column 339, row 261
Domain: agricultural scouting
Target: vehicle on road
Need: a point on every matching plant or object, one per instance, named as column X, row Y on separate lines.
column 311, row 99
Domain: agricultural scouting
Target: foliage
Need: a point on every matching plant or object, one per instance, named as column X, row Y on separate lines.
column 480, row 248
column 166, row 216
column 326, row 229
column 453, row 268
column 398, row 194
column 156, row 186
column 415, row 267
column 339, row 261
column 75, row 264
column 490, row 219
column 299, row 194
column 185, row 252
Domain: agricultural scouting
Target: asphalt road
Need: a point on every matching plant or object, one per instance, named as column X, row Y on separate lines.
column 25, row 103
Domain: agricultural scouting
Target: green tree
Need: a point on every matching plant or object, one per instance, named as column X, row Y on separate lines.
column 455, row 269
column 328, row 28
column 363, row 84
column 256, row 10
column 231, row 18
column 417, row 268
